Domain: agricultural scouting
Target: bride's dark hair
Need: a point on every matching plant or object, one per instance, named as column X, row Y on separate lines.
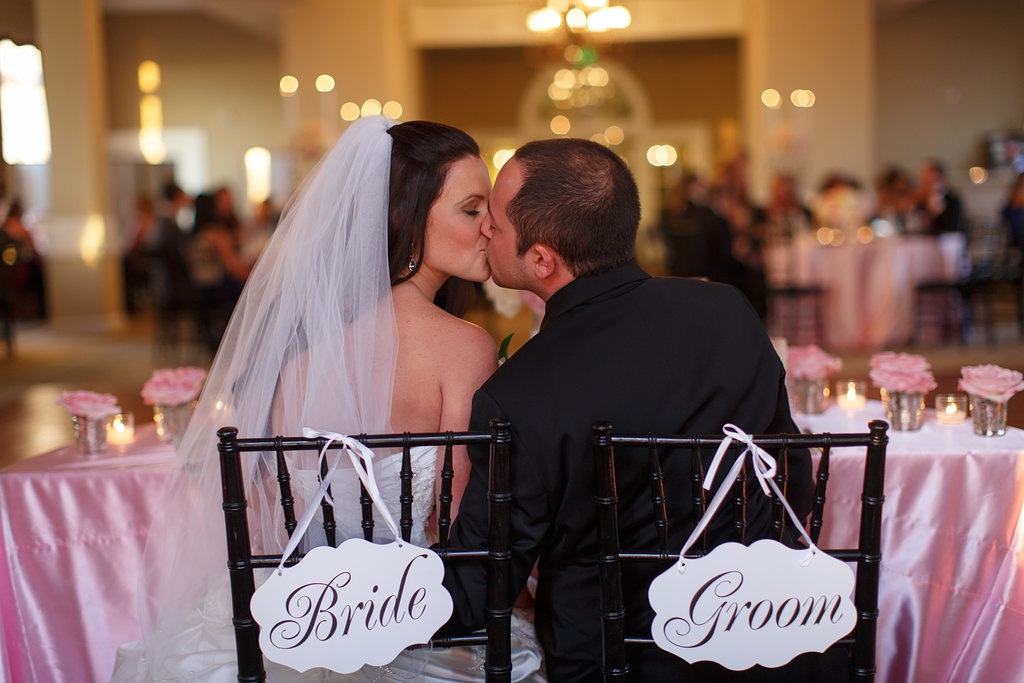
column 421, row 154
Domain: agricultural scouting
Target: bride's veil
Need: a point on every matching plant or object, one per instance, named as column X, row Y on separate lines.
column 312, row 343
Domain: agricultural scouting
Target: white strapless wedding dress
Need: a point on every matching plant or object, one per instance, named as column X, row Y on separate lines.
column 205, row 648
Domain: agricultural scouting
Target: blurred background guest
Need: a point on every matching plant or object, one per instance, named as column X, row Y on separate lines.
column 896, row 200
column 747, row 226
column 939, row 206
column 134, row 260
column 256, row 232
column 169, row 278
column 29, row 282
column 1013, row 213
column 698, row 239
column 785, row 212
column 217, row 269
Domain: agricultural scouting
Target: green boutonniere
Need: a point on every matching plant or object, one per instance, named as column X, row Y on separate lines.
column 503, row 349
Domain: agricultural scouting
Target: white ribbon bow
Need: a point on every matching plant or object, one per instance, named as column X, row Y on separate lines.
column 357, row 451
column 764, row 467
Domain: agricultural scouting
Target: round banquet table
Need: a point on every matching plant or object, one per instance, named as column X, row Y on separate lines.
column 869, row 288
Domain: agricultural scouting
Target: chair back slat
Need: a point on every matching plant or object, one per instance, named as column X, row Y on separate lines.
column 611, row 555
column 284, row 485
column 330, row 526
column 498, row 555
column 820, row 493
column 405, row 499
column 658, row 496
column 699, row 501
column 444, row 512
column 366, row 512
column 739, row 505
column 779, row 517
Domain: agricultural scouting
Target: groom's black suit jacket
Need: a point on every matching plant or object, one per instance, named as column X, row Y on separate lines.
column 663, row 355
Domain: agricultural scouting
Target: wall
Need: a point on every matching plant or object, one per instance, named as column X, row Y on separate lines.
column 214, row 78
column 948, row 72
column 828, row 48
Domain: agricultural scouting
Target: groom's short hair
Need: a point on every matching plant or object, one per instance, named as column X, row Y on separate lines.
column 580, row 199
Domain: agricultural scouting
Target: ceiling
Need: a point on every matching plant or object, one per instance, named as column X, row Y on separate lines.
column 263, row 17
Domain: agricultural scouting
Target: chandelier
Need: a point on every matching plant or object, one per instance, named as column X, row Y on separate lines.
column 578, row 16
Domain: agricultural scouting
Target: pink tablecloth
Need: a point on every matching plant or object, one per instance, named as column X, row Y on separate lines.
column 74, row 528
column 869, row 288
column 952, row 578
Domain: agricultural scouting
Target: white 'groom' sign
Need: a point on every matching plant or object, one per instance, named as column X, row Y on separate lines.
column 360, row 603
column 758, row 604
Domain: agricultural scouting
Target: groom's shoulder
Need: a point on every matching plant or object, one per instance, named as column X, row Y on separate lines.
column 692, row 295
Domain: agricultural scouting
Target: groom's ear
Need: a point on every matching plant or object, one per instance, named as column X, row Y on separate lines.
column 547, row 263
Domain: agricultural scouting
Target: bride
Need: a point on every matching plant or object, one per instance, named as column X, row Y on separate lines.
column 337, row 330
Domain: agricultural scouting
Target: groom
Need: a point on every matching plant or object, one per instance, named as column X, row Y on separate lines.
column 648, row 354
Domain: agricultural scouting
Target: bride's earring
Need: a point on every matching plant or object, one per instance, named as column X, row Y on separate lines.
column 412, row 264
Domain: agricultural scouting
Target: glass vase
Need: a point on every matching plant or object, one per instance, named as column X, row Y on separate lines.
column 90, row 434
column 809, row 396
column 171, row 420
column 905, row 410
column 988, row 416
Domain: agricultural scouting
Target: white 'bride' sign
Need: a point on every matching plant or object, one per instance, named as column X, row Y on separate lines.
column 758, row 604
column 745, row 605
column 360, row 603
column 342, row 608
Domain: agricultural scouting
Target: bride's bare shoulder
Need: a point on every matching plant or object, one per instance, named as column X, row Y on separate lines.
column 431, row 327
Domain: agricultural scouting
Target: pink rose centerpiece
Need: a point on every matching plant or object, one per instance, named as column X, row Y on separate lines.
column 901, row 372
column 904, row 379
column 171, row 387
column 89, row 412
column 809, row 369
column 811, row 362
column 990, row 388
column 991, row 382
column 89, row 404
column 172, row 393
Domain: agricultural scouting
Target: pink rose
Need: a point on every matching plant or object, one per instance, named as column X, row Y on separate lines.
column 898, row 379
column 810, row 362
column 89, row 403
column 990, row 381
column 173, row 387
column 901, row 361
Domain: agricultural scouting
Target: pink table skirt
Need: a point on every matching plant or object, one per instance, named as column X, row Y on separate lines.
column 869, row 288
column 74, row 528
column 952, row 585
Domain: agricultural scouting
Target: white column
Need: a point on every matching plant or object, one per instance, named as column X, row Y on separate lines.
column 83, row 267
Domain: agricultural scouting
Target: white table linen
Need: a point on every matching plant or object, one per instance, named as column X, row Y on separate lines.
column 74, row 529
column 952, row 586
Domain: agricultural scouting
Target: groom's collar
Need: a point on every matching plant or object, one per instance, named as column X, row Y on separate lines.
column 587, row 288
